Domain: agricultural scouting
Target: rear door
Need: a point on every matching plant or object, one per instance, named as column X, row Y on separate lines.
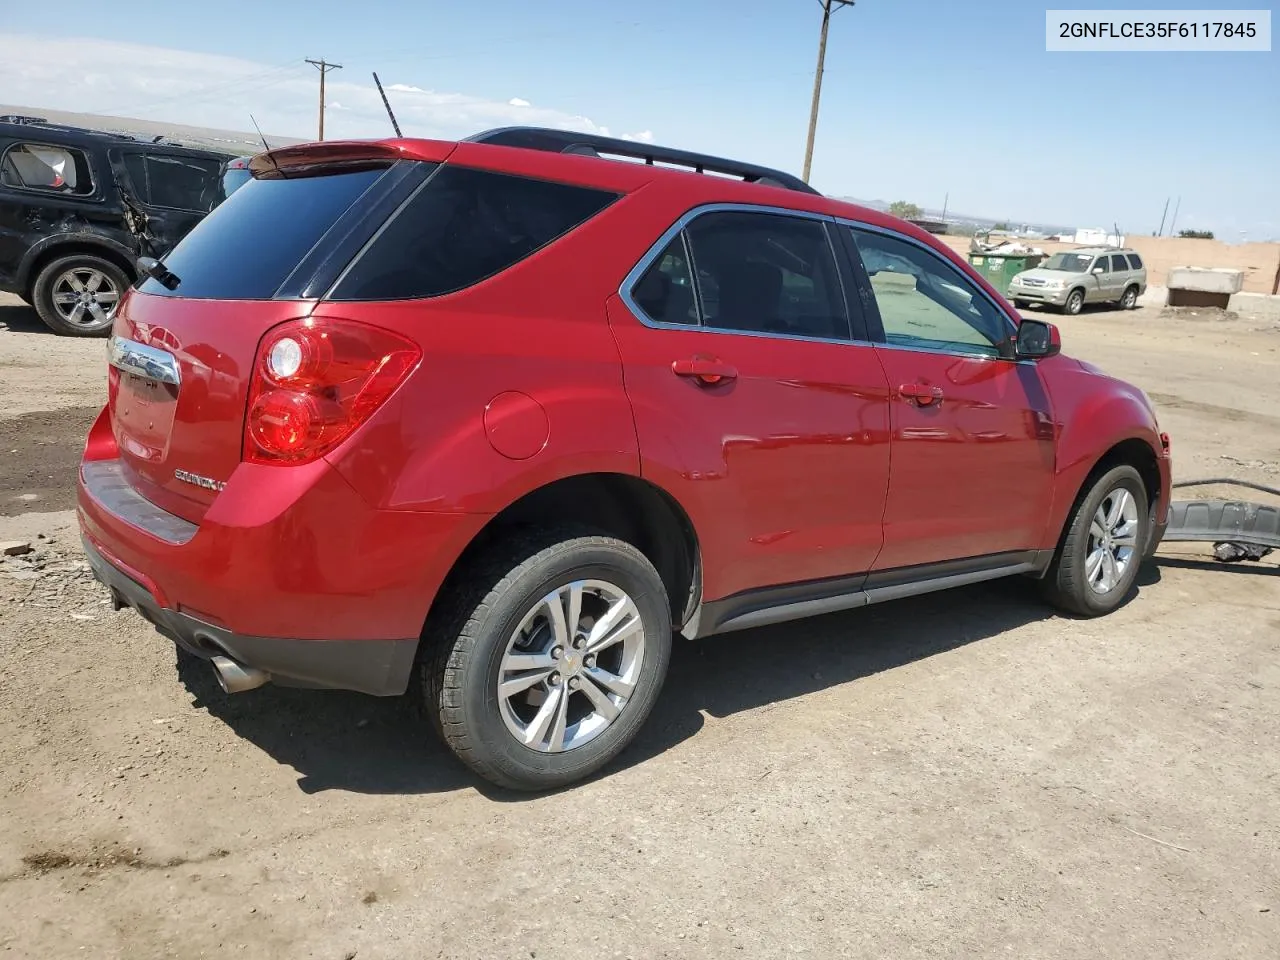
column 754, row 405
column 972, row 429
column 1121, row 276
column 176, row 191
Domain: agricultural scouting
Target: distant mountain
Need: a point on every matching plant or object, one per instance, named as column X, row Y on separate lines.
column 231, row 141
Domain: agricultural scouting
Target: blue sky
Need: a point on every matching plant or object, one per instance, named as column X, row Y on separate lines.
column 920, row 98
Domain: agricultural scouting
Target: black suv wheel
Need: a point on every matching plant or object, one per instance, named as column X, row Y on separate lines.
column 77, row 295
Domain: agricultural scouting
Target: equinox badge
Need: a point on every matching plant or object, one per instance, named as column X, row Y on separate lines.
column 206, row 482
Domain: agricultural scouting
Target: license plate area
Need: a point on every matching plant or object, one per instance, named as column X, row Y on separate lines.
column 144, row 416
column 144, row 387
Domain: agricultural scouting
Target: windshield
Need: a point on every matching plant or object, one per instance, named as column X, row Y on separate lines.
column 1068, row 262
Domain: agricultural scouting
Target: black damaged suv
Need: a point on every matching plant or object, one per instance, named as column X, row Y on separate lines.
column 78, row 207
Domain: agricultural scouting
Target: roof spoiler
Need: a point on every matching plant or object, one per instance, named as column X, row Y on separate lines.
column 330, row 156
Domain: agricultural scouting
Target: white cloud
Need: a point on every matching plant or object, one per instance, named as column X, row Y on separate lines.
column 153, row 83
column 644, row 136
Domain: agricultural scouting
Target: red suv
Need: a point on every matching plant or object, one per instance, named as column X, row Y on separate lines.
column 491, row 421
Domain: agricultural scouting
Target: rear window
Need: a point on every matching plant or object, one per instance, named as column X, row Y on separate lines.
column 247, row 247
column 38, row 166
column 462, row 227
column 1135, row 262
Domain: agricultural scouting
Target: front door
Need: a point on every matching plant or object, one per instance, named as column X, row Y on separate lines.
column 1102, row 287
column 753, row 406
column 972, row 430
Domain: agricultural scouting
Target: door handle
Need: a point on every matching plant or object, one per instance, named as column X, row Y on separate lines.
column 706, row 370
column 922, row 395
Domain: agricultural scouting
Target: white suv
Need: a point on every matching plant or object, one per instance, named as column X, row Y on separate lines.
column 1089, row 275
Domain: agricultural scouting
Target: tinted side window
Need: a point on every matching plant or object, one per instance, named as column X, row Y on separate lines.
column 926, row 302
column 1118, row 263
column 1135, row 262
column 462, row 227
column 136, row 165
column 37, row 166
column 185, row 183
column 665, row 291
column 247, row 247
column 1102, row 263
column 768, row 273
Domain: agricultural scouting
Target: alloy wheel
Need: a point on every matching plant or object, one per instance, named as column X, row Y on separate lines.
column 85, row 297
column 571, row 666
column 1113, row 541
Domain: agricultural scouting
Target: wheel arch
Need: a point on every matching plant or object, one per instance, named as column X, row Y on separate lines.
column 55, row 248
column 619, row 505
column 1136, row 451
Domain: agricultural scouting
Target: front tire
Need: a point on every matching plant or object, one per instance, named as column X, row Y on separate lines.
column 1020, row 304
column 78, row 295
column 1074, row 304
column 550, row 663
column 1097, row 563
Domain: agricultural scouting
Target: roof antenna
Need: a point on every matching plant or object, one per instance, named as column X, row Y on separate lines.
column 267, row 148
column 386, row 103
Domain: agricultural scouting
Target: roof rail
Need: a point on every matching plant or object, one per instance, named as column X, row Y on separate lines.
column 593, row 145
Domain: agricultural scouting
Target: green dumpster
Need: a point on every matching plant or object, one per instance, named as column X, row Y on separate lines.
column 1000, row 268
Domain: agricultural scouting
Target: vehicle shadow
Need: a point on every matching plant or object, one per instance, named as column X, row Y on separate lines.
column 351, row 742
column 1266, row 568
column 20, row 318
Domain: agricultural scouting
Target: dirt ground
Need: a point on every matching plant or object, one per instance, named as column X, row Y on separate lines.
column 964, row 775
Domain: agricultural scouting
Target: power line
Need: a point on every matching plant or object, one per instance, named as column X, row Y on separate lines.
column 827, row 7
column 324, row 67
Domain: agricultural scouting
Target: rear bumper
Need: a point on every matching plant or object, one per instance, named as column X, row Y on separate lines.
column 290, row 570
column 378, row 667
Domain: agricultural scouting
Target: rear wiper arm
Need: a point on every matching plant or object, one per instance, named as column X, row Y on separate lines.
column 158, row 272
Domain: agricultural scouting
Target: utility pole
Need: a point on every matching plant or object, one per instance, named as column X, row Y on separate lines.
column 1160, row 232
column 1176, row 207
column 945, row 201
column 324, row 67
column 827, row 7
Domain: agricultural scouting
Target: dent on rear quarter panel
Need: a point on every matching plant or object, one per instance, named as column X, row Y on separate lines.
column 1094, row 412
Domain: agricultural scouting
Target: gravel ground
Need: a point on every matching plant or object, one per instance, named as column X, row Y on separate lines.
column 961, row 775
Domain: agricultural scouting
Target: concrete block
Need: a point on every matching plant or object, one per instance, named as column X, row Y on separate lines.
column 1206, row 279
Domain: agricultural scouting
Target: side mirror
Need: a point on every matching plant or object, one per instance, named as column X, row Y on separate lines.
column 1098, row 270
column 1036, row 340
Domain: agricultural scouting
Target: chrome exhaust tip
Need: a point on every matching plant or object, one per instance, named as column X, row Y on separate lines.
column 236, row 677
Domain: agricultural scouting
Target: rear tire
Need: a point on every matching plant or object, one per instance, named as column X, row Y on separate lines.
column 1106, row 537
column 1074, row 304
column 78, row 295
column 1130, row 298
column 500, row 630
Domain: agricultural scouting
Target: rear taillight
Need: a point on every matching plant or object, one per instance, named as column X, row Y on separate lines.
column 315, row 381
